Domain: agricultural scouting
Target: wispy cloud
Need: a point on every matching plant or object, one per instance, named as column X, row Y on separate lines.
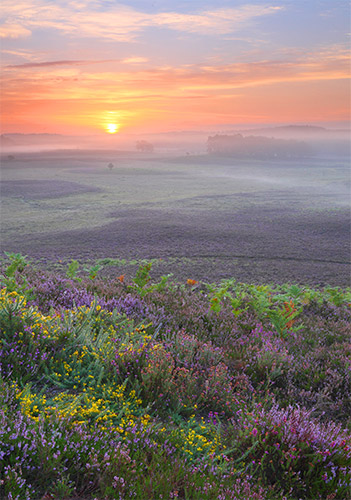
column 218, row 21
column 75, row 80
column 132, row 61
column 22, row 53
column 121, row 22
column 135, row 60
column 54, row 63
column 14, row 30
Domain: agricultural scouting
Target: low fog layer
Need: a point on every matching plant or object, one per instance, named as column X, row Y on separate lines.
column 217, row 216
column 285, row 141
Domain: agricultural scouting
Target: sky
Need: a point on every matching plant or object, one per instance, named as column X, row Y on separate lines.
column 102, row 66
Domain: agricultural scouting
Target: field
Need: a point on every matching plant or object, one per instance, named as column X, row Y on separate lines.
column 197, row 216
column 228, row 379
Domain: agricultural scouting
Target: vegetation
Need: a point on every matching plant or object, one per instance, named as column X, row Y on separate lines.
column 124, row 388
column 144, row 146
column 257, row 147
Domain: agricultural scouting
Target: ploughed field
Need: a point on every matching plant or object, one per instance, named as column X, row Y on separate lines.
column 202, row 217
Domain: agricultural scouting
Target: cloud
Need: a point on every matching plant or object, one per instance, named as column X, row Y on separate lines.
column 121, row 22
column 71, row 62
column 218, row 21
column 14, row 30
column 135, row 60
column 24, row 54
column 51, row 80
column 54, row 63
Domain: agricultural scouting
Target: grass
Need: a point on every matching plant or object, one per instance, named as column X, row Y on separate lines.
column 212, row 211
column 134, row 388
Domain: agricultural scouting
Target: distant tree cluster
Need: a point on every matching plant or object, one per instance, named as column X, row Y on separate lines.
column 144, row 146
column 256, row 147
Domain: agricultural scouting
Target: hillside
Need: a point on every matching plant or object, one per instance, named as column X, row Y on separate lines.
column 129, row 388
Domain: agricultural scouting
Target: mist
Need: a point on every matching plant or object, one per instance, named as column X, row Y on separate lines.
column 299, row 141
column 252, row 213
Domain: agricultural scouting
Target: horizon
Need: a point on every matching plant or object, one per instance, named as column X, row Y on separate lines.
column 140, row 68
column 228, row 127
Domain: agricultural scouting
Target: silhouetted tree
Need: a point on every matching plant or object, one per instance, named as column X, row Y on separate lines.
column 144, row 146
column 256, row 147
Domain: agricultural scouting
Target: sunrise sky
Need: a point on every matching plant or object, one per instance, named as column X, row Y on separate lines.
column 94, row 66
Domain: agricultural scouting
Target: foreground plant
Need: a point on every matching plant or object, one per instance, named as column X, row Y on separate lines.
column 289, row 448
column 129, row 389
column 13, row 278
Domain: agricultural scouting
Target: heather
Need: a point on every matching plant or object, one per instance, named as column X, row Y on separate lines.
column 129, row 387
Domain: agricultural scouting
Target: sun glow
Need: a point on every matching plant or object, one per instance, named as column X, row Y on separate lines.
column 112, row 128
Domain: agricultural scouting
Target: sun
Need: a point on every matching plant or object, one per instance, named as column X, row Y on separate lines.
column 112, row 128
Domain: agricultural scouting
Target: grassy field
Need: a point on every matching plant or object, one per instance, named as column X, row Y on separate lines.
column 199, row 216
column 228, row 380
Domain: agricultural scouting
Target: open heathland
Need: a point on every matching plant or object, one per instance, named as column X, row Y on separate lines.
column 152, row 389
column 198, row 215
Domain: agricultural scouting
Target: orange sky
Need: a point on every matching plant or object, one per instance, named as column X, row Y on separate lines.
column 82, row 67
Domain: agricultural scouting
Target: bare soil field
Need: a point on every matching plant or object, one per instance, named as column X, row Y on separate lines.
column 201, row 217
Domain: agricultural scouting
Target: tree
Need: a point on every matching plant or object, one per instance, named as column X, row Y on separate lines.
column 256, row 147
column 144, row 146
